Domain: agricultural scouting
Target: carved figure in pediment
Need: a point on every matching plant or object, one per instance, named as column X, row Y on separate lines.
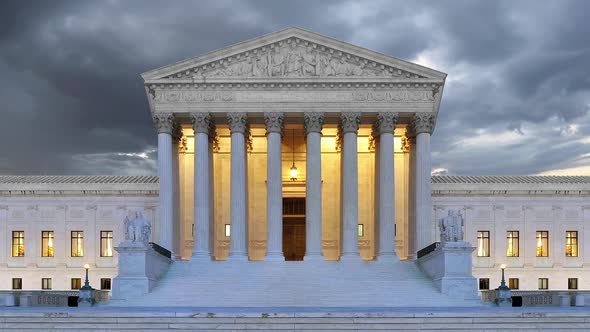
column 276, row 63
column 294, row 63
column 311, row 62
column 260, row 68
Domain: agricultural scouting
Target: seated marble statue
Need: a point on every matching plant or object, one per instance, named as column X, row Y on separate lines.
column 138, row 229
column 451, row 227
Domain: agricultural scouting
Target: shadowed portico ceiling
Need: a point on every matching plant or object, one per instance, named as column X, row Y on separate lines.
column 293, row 69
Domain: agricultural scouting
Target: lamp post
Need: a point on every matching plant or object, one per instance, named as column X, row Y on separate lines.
column 503, row 293
column 86, row 296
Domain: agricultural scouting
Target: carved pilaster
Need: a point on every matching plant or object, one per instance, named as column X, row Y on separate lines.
column 201, row 122
column 183, row 145
column 176, row 133
column 274, row 122
column 213, row 138
column 238, row 122
column 423, row 123
column 386, row 122
column 350, row 122
column 313, row 122
column 164, row 122
column 374, row 138
column 406, row 144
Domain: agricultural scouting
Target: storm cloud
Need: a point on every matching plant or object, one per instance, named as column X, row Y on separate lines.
column 516, row 101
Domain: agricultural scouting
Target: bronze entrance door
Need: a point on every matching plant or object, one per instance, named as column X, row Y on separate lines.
column 294, row 229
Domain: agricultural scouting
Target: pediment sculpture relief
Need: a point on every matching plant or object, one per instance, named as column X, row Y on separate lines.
column 296, row 58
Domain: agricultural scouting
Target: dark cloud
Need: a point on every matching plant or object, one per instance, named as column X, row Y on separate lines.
column 73, row 101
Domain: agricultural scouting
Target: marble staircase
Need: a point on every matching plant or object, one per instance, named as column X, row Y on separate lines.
column 296, row 284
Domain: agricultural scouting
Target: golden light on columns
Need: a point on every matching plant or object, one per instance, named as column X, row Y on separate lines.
column 293, row 170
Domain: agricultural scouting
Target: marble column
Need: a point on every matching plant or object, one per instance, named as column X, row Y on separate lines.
column 274, row 186
column 176, row 220
column 385, row 127
column 201, row 126
column 313, row 123
column 411, row 234
column 238, row 192
column 422, row 126
column 350, row 122
column 164, row 123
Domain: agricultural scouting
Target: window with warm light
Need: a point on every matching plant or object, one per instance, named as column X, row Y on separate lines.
column 542, row 243
column 512, row 243
column 76, row 283
column 484, row 283
column 513, row 283
column 17, row 283
column 106, row 243
column 572, row 283
column 571, row 243
column 361, row 230
column 105, row 283
column 77, row 243
column 227, row 230
column 47, row 244
column 45, row 283
column 483, row 243
column 543, row 283
column 18, row 244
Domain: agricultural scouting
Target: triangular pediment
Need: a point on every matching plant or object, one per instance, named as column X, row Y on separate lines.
column 292, row 53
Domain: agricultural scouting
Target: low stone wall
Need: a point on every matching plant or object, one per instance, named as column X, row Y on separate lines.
column 45, row 298
column 543, row 298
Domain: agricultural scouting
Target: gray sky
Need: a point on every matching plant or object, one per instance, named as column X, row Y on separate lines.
column 516, row 100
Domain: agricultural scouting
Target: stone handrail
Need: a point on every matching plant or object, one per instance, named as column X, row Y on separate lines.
column 54, row 298
column 535, row 298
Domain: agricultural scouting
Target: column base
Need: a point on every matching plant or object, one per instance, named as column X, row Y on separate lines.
column 201, row 256
column 351, row 258
column 237, row 257
column 385, row 257
column 274, row 257
column 313, row 258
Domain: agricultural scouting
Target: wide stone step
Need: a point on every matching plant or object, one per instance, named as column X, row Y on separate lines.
column 318, row 319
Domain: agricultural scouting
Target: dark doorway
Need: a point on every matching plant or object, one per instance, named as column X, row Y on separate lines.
column 294, row 228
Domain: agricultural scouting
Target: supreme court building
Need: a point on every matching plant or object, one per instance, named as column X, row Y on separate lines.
column 298, row 140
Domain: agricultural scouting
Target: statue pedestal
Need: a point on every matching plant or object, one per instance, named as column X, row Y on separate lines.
column 449, row 266
column 140, row 266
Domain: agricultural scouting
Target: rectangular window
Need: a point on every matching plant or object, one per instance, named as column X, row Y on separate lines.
column 18, row 244
column 542, row 244
column 227, row 230
column 47, row 244
column 513, row 283
column 45, row 283
column 17, row 283
column 512, row 244
column 572, row 283
column 361, row 230
column 76, row 283
column 571, row 243
column 483, row 243
column 543, row 283
column 77, row 243
column 106, row 243
column 105, row 283
column 484, row 283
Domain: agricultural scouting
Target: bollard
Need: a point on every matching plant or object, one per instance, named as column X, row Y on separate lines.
column 10, row 300
column 565, row 301
column 580, row 299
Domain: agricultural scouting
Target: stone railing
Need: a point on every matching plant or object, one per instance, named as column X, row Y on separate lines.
column 542, row 298
column 46, row 298
column 161, row 250
column 427, row 250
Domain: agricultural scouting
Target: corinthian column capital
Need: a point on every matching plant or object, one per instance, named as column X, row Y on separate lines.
column 350, row 121
column 423, row 123
column 273, row 122
column 237, row 122
column 201, row 122
column 386, row 122
column 313, row 122
column 164, row 122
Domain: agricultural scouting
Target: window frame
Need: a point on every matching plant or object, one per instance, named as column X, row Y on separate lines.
column 18, row 236
column 47, row 244
column 104, row 281
column 46, row 283
column 571, row 242
column 514, row 283
column 76, row 242
column 17, row 282
column 512, row 241
column 540, row 236
column 572, row 281
column 484, row 281
column 106, row 237
column 483, row 240
column 75, row 283
column 540, row 281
